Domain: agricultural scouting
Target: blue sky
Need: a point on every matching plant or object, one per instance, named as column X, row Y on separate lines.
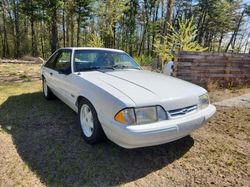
column 246, row 1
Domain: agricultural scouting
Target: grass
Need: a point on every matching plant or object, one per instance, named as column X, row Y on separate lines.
column 12, row 73
column 24, row 76
column 41, row 145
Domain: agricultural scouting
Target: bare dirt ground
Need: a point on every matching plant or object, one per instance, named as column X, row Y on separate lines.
column 242, row 101
column 223, row 94
column 40, row 145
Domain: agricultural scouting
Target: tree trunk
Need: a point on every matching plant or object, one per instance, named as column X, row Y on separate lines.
column 162, row 13
column 169, row 16
column 17, row 28
column 2, row 42
column 67, row 29
column 133, row 12
column 220, row 41
column 202, row 27
column 142, row 41
column 41, row 39
column 148, row 44
column 54, row 32
column 78, row 30
column 151, row 14
column 248, row 37
column 33, row 38
column 32, row 35
column 114, row 35
column 236, row 30
column 155, row 18
column 72, row 30
column 63, row 25
column 142, row 44
column 146, row 33
column 5, row 46
column 7, row 8
column 241, row 42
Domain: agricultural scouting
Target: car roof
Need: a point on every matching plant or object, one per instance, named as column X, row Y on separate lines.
column 92, row 48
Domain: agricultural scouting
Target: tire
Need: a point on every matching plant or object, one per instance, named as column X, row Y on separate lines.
column 47, row 93
column 91, row 128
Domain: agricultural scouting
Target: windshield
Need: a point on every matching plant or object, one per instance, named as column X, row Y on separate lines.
column 86, row 60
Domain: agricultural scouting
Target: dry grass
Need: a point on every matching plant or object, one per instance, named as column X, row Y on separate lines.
column 212, row 86
column 219, row 94
column 11, row 73
column 40, row 145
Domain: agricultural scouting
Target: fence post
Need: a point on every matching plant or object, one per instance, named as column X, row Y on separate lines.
column 176, row 56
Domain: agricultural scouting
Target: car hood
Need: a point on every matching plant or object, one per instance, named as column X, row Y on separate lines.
column 147, row 88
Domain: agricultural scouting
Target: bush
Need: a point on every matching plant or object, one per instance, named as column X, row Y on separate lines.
column 144, row 60
column 183, row 38
column 94, row 41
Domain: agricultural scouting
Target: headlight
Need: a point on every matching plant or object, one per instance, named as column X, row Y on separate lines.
column 145, row 115
column 142, row 115
column 204, row 101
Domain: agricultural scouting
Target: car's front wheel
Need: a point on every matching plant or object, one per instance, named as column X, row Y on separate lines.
column 47, row 93
column 92, row 131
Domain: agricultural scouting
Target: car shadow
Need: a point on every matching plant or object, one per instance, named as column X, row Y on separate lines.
column 47, row 138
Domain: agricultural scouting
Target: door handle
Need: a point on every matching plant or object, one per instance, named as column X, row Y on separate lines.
column 51, row 74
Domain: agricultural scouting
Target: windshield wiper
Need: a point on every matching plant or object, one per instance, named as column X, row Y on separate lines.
column 113, row 67
column 119, row 66
column 122, row 66
column 96, row 68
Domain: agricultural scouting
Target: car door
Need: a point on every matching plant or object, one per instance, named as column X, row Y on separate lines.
column 48, row 71
column 63, row 77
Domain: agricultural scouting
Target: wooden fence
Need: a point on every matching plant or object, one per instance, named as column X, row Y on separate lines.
column 202, row 68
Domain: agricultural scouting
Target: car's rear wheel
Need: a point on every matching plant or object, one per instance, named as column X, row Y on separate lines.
column 47, row 93
column 91, row 128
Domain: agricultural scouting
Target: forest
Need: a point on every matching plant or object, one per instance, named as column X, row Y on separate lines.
column 143, row 28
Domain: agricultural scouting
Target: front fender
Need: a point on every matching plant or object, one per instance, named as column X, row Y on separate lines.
column 106, row 99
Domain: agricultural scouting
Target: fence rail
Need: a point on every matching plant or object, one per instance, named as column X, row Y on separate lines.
column 222, row 68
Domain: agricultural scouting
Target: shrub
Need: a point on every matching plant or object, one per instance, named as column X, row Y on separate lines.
column 182, row 38
column 143, row 60
column 94, row 41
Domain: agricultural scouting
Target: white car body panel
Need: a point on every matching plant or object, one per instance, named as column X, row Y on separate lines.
column 113, row 90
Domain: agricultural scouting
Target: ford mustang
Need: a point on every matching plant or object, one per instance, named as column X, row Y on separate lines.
column 115, row 98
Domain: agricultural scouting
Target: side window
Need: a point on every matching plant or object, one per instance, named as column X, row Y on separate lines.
column 63, row 62
column 50, row 63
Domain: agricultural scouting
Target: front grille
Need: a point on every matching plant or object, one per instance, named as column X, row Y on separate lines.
column 182, row 111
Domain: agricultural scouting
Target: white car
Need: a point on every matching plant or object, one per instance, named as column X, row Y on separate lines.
column 115, row 98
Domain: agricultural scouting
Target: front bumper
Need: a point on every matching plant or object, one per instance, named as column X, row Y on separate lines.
column 155, row 133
